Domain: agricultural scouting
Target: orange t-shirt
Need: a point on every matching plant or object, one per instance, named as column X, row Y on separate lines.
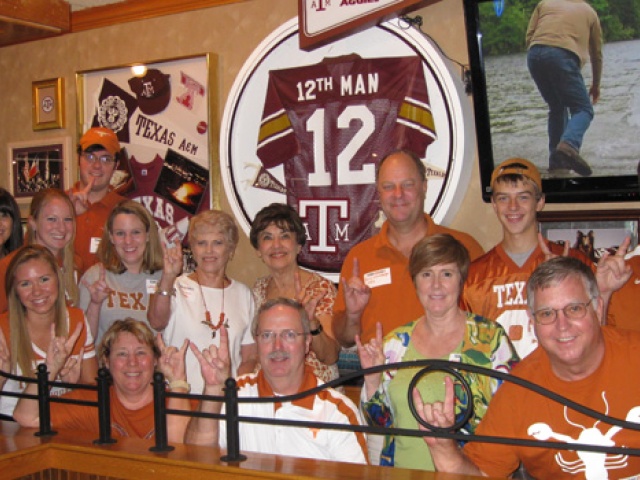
column 393, row 298
column 89, row 228
column 519, row 413
column 625, row 303
column 496, row 289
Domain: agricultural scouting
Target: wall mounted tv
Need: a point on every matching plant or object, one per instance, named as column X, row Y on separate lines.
column 511, row 116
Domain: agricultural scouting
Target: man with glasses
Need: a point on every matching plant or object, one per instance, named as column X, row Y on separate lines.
column 495, row 286
column 579, row 359
column 282, row 333
column 92, row 196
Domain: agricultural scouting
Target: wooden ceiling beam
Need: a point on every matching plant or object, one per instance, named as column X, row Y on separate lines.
column 22, row 21
column 133, row 10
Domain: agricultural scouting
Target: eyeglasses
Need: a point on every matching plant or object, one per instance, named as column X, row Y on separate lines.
column 288, row 336
column 573, row 311
column 104, row 159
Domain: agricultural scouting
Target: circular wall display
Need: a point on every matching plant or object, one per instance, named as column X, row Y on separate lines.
column 308, row 128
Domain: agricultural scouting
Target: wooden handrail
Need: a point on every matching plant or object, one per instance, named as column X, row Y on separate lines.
column 22, row 453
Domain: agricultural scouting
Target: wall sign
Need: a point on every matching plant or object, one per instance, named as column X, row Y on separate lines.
column 308, row 128
column 325, row 19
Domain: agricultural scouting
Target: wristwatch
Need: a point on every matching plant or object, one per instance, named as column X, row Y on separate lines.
column 317, row 331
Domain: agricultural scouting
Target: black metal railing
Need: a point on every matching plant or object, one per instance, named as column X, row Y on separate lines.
column 233, row 419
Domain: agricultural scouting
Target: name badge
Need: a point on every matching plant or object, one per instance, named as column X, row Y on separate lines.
column 377, row 278
column 95, row 243
column 152, row 286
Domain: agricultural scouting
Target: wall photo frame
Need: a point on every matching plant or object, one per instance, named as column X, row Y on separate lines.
column 160, row 111
column 38, row 164
column 592, row 232
column 48, row 104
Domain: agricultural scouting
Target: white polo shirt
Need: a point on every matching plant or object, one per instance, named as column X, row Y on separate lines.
column 327, row 406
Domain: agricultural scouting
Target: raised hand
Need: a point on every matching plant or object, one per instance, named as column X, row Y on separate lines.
column 308, row 300
column 60, row 349
column 5, row 358
column 613, row 271
column 72, row 368
column 172, row 360
column 215, row 363
column 438, row 414
column 80, row 199
column 548, row 254
column 98, row 290
column 173, row 259
column 372, row 355
column 356, row 293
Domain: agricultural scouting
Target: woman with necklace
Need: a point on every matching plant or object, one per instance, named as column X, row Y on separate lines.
column 196, row 306
column 278, row 235
column 438, row 266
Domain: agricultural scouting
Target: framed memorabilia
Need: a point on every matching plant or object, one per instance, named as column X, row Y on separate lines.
column 48, row 104
column 308, row 128
column 592, row 232
column 511, row 115
column 160, row 111
column 38, row 164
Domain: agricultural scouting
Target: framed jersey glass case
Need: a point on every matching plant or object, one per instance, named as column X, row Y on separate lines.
column 309, row 127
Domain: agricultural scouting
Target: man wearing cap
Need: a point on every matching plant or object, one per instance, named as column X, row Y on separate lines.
column 375, row 281
column 495, row 286
column 92, row 196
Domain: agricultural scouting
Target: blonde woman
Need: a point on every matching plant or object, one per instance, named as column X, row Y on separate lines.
column 197, row 305
column 130, row 267
column 38, row 313
column 127, row 345
column 52, row 224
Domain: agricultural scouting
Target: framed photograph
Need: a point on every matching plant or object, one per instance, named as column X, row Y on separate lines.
column 511, row 115
column 160, row 111
column 38, row 164
column 48, row 104
column 592, row 232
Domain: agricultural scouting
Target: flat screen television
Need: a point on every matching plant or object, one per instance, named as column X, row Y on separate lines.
column 511, row 116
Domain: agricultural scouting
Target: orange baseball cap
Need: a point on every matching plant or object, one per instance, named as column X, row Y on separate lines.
column 517, row 166
column 101, row 136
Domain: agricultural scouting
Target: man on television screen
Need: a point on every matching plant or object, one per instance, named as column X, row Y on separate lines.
column 560, row 37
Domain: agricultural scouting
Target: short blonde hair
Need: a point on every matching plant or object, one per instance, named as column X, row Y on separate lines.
column 216, row 220
column 138, row 329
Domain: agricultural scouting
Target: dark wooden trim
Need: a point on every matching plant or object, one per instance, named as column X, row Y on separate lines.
column 588, row 215
column 133, row 10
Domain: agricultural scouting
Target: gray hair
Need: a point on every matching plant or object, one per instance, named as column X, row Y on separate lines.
column 558, row 269
column 286, row 302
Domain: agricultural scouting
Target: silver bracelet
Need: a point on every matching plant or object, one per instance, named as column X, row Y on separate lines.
column 166, row 293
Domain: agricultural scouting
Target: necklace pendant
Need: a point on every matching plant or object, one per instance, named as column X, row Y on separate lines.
column 213, row 334
column 207, row 317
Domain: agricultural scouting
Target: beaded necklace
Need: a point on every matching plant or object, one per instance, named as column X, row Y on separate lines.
column 207, row 321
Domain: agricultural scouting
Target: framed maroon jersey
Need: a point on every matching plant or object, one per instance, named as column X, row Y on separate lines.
column 329, row 124
column 309, row 128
